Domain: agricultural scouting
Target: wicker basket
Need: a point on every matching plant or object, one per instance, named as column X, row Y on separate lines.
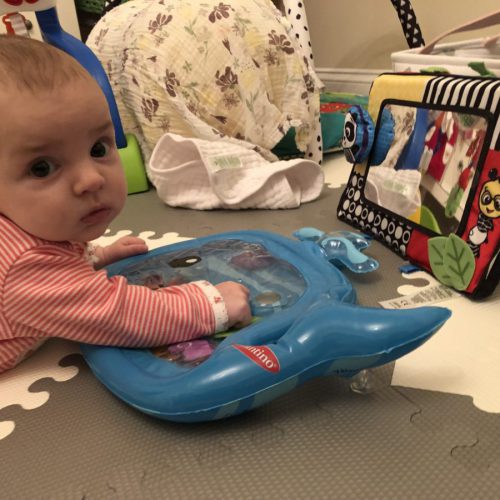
column 469, row 57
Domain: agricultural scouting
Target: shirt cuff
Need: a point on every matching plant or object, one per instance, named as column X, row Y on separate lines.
column 90, row 253
column 217, row 303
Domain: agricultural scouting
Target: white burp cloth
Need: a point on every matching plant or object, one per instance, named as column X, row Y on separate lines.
column 204, row 175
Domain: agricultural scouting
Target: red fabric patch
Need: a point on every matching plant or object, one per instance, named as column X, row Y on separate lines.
column 333, row 107
column 417, row 250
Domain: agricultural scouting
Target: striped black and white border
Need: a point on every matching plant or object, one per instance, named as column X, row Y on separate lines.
column 475, row 93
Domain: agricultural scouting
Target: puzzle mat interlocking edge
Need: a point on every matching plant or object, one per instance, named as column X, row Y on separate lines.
column 321, row 440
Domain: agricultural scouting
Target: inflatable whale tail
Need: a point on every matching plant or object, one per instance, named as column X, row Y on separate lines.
column 348, row 332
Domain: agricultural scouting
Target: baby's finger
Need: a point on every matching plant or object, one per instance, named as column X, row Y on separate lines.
column 132, row 240
column 134, row 249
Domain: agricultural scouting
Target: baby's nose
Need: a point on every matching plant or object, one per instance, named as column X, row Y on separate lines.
column 89, row 179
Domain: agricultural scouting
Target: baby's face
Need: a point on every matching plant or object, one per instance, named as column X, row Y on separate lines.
column 60, row 173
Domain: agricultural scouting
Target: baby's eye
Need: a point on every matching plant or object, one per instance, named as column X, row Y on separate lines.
column 99, row 149
column 42, row 168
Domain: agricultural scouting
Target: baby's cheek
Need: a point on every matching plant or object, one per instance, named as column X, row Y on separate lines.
column 119, row 185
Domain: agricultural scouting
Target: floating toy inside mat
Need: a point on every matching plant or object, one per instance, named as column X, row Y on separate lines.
column 306, row 325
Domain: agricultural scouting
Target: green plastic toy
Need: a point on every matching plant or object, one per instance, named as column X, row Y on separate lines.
column 133, row 164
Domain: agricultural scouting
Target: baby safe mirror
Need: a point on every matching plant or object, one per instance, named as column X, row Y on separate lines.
column 426, row 174
column 429, row 168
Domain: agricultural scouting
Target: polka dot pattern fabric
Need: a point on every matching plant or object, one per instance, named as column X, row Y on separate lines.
column 110, row 4
column 296, row 14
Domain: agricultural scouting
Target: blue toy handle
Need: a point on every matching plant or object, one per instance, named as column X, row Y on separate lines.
column 55, row 35
column 412, row 153
column 341, row 248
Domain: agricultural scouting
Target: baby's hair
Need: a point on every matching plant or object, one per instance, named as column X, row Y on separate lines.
column 32, row 65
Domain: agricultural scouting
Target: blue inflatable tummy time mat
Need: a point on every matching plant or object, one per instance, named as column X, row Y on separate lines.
column 306, row 324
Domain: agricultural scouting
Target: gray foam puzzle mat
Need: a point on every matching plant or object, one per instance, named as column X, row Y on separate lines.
column 320, row 441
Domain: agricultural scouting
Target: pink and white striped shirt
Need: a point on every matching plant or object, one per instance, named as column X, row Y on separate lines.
column 50, row 289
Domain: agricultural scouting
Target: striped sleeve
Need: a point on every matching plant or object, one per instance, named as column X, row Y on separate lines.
column 52, row 292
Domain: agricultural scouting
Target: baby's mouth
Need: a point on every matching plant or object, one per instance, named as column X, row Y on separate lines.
column 99, row 214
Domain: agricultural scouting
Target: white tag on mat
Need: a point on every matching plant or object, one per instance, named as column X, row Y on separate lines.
column 429, row 295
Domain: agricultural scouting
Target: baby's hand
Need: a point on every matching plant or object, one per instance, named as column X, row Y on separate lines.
column 120, row 249
column 236, row 298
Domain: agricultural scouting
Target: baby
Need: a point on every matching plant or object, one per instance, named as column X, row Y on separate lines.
column 61, row 184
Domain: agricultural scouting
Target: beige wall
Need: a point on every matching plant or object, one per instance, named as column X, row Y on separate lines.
column 363, row 33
